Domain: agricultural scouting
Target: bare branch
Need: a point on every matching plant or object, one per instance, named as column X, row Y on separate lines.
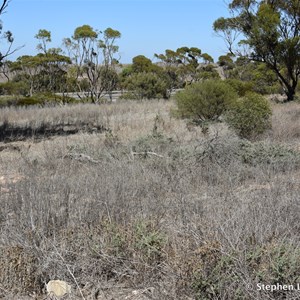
column 4, row 6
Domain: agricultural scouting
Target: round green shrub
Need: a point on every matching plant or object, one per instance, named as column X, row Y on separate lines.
column 205, row 100
column 145, row 86
column 250, row 116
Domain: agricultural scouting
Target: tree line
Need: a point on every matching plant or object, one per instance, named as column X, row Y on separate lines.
column 263, row 44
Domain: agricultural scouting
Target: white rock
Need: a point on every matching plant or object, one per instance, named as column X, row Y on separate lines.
column 58, row 288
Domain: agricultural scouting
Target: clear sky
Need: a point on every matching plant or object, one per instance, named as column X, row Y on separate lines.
column 147, row 26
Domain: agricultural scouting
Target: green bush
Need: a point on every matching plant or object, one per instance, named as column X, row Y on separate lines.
column 14, row 88
column 241, row 87
column 250, row 116
column 205, row 100
column 145, row 86
column 44, row 98
column 223, row 276
column 26, row 101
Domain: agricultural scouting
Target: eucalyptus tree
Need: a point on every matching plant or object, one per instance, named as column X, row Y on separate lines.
column 44, row 36
column 145, row 80
column 266, row 31
column 184, row 65
column 93, row 54
column 44, row 72
column 51, row 62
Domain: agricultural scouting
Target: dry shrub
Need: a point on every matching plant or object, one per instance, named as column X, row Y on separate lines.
column 204, row 212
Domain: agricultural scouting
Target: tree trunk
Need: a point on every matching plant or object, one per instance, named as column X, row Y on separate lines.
column 290, row 90
column 290, row 93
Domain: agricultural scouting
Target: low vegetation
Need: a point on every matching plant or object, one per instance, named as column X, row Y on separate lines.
column 150, row 207
column 206, row 100
column 192, row 198
column 250, row 116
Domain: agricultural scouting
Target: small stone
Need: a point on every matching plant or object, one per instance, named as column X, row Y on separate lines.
column 58, row 288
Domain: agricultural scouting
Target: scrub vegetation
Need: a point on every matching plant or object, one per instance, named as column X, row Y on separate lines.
column 151, row 206
column 185, row 186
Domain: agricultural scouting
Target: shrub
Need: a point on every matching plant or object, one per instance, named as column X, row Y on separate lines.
column 45, row 98
column 204, row 100
column 145, row 86
column 14, row 88
column 223, row 276
column 250, row 116
column 241, row 87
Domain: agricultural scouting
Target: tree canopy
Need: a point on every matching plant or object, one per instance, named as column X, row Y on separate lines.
column 270, row 34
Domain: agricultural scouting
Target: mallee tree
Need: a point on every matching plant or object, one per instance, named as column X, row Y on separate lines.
column 270, row 31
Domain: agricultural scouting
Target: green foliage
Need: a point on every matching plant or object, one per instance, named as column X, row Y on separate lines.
column 208, row 72
column 250, row 116
column 42, row 72
column 110, row 33
column 28, row 101
column 220, row 275
column 145, row 86
column 14, row 88
column 43, row 99
column 205, row 100
column 141, row 63
column 149, row 241
column 262, row 153
column 275, row 263
column 207, row 58
column 183, row 63
column 85, row 32
column 93, row 56
column 45, row 37
column 263, row 79
column 226, row 61
column 271, row 30
column 241, row 87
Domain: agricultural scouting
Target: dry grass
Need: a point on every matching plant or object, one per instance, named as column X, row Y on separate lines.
column 286, row 123
column 151, row 209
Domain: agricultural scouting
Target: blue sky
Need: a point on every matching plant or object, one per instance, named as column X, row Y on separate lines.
column 147, row 26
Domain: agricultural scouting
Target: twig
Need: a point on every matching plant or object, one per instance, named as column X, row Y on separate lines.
column 147, row 153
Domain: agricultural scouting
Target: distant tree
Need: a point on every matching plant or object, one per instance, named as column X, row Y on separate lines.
column 44, row 36
column 170, row 64
column 225, row 60
column 141, row 63
column 189, row 61
column 271, row 35
column 94, row 59
column 43, row 72
column 51, row 63
column 182, row 64
column 145, row 79
column 27, row 68
column 208, row 71
column 145, row 85
column 207, row 58
column 227, row 63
